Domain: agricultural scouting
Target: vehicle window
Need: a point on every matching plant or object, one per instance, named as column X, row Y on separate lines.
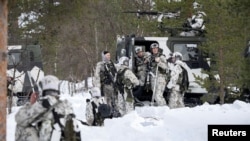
column 32, row 56
column 189, row 51
column 14, row 58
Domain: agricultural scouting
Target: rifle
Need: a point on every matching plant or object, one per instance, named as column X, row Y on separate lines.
column 39, row 118
column 112, row 78
column 168, row 15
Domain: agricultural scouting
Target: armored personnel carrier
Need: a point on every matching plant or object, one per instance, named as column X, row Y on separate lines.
column 25, row 69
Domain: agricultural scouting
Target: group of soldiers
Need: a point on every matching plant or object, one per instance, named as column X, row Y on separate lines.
column 117, row 87
column 47, row 117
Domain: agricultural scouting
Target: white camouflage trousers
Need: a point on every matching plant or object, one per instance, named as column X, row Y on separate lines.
column 159, row 85
column 176, row 98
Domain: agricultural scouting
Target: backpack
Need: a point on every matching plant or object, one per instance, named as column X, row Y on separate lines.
column 183, row 80
column 120, row 80
column 104, row 111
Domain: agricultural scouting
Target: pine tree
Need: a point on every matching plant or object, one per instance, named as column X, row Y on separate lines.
column 225, row 43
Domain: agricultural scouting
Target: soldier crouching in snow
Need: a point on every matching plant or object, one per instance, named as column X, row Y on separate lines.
column 46, row 119
column 97, row 109
column 126, row 80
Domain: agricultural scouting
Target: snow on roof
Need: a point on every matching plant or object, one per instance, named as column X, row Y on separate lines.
column 12, row 47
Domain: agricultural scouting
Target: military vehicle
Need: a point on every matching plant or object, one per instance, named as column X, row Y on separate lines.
column 25, row 69
column 189, row 45
column 192, row 56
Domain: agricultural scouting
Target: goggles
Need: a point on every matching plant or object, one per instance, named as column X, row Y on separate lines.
column 154, row 45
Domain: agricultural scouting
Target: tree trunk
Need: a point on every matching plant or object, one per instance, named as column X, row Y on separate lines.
column 3, row 68
column 222, row 76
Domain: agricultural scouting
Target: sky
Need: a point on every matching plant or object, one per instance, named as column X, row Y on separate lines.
column 150, row 123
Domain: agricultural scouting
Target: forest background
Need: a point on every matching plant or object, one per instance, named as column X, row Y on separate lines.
column 73, row 33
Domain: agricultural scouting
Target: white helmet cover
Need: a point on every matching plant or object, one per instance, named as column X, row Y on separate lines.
column 154, row 45
column 138, row 49
column 177, row 55
column 50, row 82
column 124, row 61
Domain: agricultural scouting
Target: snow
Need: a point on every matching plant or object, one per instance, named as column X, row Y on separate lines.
column 151, row 123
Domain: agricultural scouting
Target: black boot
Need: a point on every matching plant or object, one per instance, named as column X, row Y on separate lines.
column 137, row 102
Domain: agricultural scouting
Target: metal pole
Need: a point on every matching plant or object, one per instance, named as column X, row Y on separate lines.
column 156, row 77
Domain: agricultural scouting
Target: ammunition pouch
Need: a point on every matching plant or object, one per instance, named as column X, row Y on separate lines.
column 161, row 70
column 105, row 79
column 128, row 84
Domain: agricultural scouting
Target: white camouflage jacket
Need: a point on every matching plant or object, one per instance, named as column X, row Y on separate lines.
column 41, row 118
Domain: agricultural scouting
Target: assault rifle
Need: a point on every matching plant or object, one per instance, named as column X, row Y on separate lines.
column 160, row 15
column 115, row 113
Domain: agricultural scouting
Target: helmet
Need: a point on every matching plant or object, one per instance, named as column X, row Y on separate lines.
column 124, row 61
column 196, row 5
column 123, row 51
column 177, row 55
column 50, row 82
column 138, row 49
column 154, row 45
column 95, row 92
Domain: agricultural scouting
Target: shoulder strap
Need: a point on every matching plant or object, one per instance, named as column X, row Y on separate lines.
column 119, row 80
column 120, row 75
column 38, row 118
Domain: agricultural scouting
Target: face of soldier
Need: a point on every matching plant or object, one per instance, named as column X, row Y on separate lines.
column 140, row 54
column 173, row 59
column 108, row 56
column 155, row 50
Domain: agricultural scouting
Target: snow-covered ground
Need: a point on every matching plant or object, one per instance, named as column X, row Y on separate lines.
column 153, row 123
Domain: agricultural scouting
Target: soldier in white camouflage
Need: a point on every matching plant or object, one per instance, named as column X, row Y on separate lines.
column 158, row 66
column 141, row 72
column 125, row 81
column 141, row 65
column 177, row 84
column 44, row 119
column 104, row 79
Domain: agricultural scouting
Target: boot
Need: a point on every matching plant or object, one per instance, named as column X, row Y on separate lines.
column 137, row 102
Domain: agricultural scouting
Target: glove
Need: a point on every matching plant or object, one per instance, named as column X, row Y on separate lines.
column 33, row 97
column 157, row 59
column 128, row 84
column 170, row 86
column 45, row 103
column 87, row 100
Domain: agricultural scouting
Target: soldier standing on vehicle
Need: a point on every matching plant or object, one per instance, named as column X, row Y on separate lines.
column 46, row 119
column 178, row 82
column 158, row 66
column 126, row 81
column 104, row 79
column 196, row 23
